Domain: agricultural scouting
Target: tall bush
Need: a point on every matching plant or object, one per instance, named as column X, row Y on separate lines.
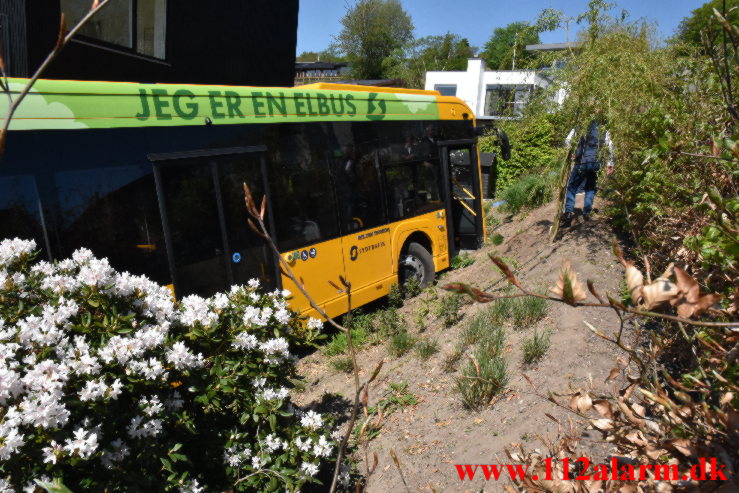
column 108, row 384
column 532, row 147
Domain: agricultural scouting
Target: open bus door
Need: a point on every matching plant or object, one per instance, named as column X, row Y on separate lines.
column 464, row 207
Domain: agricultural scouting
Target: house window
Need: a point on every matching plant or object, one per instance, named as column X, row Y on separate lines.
column 446, row 89
column 507, row 100
column 137, row 25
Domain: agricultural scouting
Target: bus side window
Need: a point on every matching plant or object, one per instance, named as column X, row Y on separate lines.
column 20, row 210
column 301, row 191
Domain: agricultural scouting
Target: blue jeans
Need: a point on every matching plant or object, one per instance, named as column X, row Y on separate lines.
column 585, row 179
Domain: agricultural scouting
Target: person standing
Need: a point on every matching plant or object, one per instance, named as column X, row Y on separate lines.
column 588, row 158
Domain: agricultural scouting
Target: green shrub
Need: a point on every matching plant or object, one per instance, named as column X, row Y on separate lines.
column 533, row 146
column 427, row 348
column 528, row 192
column 342, row 364
column 390, row 322
column 448, row 309
column 527, row 310
column 338, row 343
column 400, row 343
column 461, row 261
column 395, row 296
column 497, row 239
column 411, row 288
column 142, row 393
column 535, row 347
column 500, row 310
column 477, row 388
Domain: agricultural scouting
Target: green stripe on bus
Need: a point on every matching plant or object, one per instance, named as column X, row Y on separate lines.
column 78, row 104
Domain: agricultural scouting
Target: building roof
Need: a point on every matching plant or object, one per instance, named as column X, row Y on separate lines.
column 319, row 65
column 554, row 46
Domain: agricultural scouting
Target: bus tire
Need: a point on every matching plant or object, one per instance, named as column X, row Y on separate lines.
column 416, row 262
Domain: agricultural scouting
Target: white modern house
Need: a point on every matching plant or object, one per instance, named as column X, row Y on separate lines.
column 493, row 93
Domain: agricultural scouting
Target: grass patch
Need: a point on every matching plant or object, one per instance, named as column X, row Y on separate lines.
column 400, row 343
column 342, row 364
column 528, row 192
column 497, row 239
column 535, row 347
column 483, row 377
column 460, row 261
column 411, row 288
column 395, row 296
column 338, row 343
column 398, row 397
column 427, row 348
column 390, row 322
column 528, row 310
column 451, row 358
column 448, row 309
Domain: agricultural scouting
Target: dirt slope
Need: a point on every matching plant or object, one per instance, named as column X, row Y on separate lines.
column 438, row 432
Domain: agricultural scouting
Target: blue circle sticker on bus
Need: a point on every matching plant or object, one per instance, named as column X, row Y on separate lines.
column 304, row 255
column 236, row 257
column 312, row 253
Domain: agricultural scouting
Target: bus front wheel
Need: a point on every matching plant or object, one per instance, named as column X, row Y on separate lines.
column 416, row 263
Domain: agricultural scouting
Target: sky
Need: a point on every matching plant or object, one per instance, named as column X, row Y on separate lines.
column 319, row 20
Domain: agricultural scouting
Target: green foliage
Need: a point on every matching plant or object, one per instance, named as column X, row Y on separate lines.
column 448, row 309
column 427, row 348
column 342, row 364
column 498, row 52
column 328, row 55
column 718, row 243
column 411, row 287
column 535, row 346
column 461, row 261
column 395, row 297
column 371, row 31
column 390, row 322
column 486, row 374
column 400, row 343
column 397, row 398
column 533, row 145
column 338, row 344
column 528, row 192
column 689, row 30
column 527, row 310
column 411, row 62
column 497, row 239
column 186, row 386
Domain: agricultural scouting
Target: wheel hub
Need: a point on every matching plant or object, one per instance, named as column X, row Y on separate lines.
column 413, row 267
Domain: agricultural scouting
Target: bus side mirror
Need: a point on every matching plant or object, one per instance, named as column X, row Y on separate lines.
column 505, row 145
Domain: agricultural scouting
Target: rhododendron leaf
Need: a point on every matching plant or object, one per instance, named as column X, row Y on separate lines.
column 658, row 292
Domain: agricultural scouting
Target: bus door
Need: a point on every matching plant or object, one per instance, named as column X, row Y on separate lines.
column 210, row 245
column 464, row 207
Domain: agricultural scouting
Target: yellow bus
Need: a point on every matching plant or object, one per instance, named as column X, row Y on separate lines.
column 375, row 184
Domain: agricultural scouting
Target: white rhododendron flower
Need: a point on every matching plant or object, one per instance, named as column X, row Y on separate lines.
column 102, row 371
column 312, row 420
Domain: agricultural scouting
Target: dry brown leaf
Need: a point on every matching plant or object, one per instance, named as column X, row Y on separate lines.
column 726, row 398
column 688, row 286
column 603, row 424
column 659, row 292
column 581, row 402
column 636, row 438
column 634, row 282
column 654, row 453
column 613, row 374
column 628, row 413
column 604, row 408
column 568, row 288
column 682, row 445
column 627, row 488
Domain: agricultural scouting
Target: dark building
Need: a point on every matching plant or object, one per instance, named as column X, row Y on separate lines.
column 224, row 42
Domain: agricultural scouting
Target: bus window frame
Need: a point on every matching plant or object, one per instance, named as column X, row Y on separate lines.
column 169, row 159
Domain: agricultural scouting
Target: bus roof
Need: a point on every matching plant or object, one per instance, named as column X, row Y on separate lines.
column 64, row 104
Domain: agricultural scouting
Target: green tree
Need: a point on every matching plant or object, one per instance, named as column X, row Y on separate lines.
column 689, row 30
column 328, row 55
column 411, row 62
column 500, row 48
column 371, row 31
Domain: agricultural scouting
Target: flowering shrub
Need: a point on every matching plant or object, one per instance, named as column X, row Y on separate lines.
column 107, row 383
